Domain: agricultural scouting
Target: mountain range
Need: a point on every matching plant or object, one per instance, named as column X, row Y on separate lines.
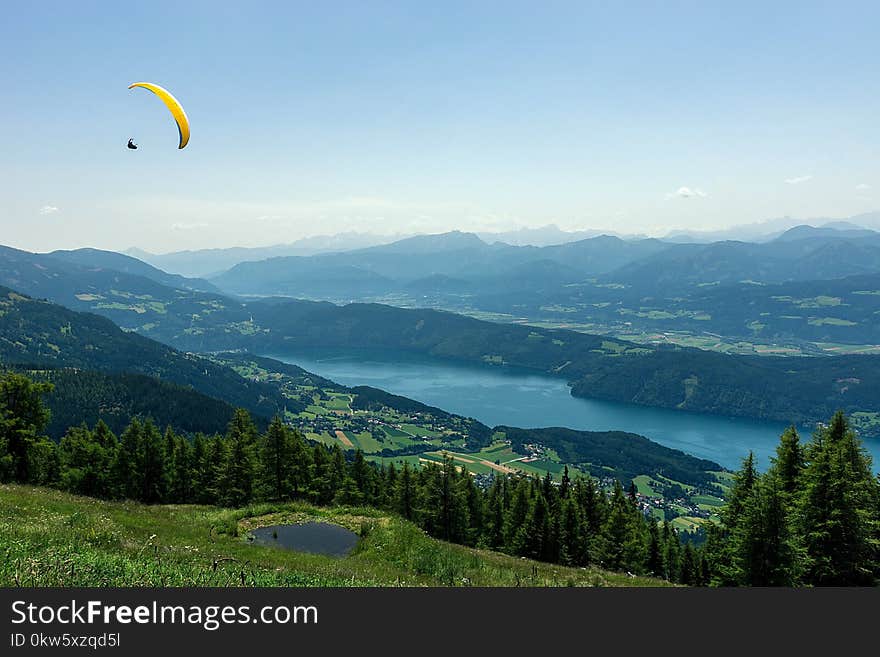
column 211, row 262
column 40, row 333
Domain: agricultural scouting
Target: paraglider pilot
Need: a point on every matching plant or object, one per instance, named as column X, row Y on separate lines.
column 132, row 145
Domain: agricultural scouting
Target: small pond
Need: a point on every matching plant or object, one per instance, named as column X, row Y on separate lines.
column 315, row 537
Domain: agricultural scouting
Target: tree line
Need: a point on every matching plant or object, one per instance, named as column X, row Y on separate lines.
column 812, row 518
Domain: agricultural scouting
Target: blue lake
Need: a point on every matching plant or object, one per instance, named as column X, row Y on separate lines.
column 504, row 396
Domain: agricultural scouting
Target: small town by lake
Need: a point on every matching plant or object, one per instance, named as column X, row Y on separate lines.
column 505, row 396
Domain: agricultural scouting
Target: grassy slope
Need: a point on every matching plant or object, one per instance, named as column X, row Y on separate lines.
column 49, row 538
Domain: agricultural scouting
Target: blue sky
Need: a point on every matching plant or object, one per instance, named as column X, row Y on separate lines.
column 390, row 117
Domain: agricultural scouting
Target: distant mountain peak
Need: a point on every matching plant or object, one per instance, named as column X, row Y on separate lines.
column 841, row 229
column 455, row 240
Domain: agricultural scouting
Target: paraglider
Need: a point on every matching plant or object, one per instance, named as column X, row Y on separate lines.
column 173, row 106
column 132, row 145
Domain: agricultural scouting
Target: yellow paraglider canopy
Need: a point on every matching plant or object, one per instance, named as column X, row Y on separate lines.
column 173, row 106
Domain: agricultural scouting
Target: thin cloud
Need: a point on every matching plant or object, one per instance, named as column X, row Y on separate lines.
column 687, row 192
column 194, row 226
column 48, row 209
column 863, row 187
column 798, row 180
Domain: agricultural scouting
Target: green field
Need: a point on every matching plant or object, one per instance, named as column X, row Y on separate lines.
column 830, row 321
column 688, row 523
column 415, row 430
column 365, row 442
column 324, row 438
column 708, row 500
column 49, row 538
column 644, row 486
column 339, row 402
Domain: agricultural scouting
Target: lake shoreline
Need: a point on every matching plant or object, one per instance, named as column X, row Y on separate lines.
column 523, row 398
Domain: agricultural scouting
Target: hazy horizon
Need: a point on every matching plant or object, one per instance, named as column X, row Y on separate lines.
column 762, row 228
column 395, row 119
column 758, row 229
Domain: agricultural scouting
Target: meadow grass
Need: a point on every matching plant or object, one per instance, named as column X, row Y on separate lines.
column 50, row 538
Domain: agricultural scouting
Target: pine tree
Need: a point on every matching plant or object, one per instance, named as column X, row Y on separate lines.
column 548, row 490
column 837, row 511
column 671, row 552
column 654, row 563
column 725, row 547
column 323, row 481
column 493, row 534
column 23, row 417
column 565, row 484
column 764, row 550
column 516, row 539
column 688, row 571
column 238, row 475
column 180, row 487
column 570, row 532
column 276, row 455
column 125, row 478
column 82, row 462
column 472, row 499
column 594, row 510
column 789, row 462
column 617, row 530
column 361, row 473
column 200, row 477
column 338, row 469
column 214, row 470
column 405, row 497
column 349, row 493
column 150, row 465
column 109, row 444
column 452, row 515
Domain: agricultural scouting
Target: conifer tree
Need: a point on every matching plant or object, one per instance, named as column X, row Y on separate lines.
column 82, row 462
column 764, row 549
column 349, row 493
column 671, row 552
column 215, row 467
column 471, row 499
column 337, row 468
column 789, row 463
column 494, row 516
column 689, row 568
column 405, row 497
column 23, row 418
column 654, row 563
column 837, row 512
column 238, row 476
column 180, row 487
column 125, row 475
column 150, row 465
column 725, row 545
column 300, row 464
column 200, row 470
column 276, row 454
column 570, row 533
column 516, row 538
column 565, row 484
column 617, row 530
column 322, row 479
column 361, row 473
